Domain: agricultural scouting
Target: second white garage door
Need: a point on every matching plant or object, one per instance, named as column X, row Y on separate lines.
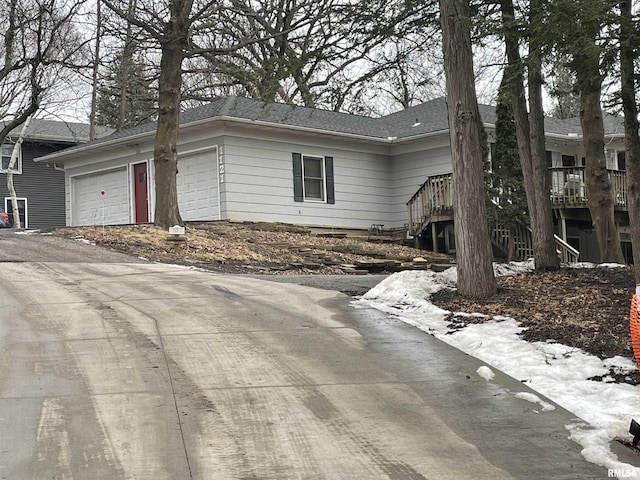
column 197, row 185
column 90, row 207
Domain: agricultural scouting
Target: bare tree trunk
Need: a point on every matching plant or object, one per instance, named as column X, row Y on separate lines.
column 473, row 246
column 628, row 55
column 542, row 226
column 96, row 63
column 12, row 163
column 125, row 68
column 165, row 153
column 531, row 140
column 599, row 188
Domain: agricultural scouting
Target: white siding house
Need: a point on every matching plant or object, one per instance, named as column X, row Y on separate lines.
column 242, row 159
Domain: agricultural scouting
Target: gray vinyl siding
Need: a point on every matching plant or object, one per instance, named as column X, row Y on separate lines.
column 259, row 185
column 372, row 182
column 410, row 170
column 41, row 185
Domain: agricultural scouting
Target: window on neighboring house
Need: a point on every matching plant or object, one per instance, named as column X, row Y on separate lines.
column 7, row 150
column 313, row 178
column 22, row 210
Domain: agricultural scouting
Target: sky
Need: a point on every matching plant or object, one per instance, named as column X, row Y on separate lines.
column 557, row 372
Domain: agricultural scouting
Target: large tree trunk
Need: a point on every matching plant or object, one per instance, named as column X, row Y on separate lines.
column 599, row 189
column 531, row 140
column 542, row 226
column 628, row 55
column 165, row 153
column 473, row 247
column 586, row 53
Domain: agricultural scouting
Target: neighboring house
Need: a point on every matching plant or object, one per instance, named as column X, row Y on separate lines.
column 242, row 159
column 39, row 186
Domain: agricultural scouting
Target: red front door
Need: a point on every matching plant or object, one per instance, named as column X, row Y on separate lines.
column 141, row 192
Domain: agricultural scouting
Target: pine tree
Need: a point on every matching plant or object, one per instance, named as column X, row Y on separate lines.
column 507, row 200
column 140, row 101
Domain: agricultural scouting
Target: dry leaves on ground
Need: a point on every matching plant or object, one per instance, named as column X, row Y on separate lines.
column 252, row 247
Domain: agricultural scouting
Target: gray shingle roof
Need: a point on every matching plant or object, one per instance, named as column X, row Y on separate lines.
column 422, row 119
column 58, row 131
column 276, row 113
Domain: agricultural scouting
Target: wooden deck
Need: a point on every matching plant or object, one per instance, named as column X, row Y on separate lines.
column 569, row 190
column 434, row 200
column 433, row 203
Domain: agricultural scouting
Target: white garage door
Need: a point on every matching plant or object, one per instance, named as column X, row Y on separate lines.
column 90, row 207
column 197, row 185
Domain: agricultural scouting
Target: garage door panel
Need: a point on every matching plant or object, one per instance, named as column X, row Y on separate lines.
column 92, row 208
column 197, row 185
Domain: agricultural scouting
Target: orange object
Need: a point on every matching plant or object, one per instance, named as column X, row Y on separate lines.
column 634, row 324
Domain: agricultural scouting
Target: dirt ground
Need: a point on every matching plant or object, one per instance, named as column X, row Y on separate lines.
column 270, row 248
column 583, row 308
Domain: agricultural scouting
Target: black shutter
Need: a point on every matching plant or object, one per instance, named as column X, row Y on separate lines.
column 328, row 169
column 297, row 178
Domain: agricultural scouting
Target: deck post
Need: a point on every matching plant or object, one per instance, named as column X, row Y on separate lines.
column 434, row 236
column 563, row 227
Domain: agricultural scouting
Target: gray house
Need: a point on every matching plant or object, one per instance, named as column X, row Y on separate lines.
column 242, row 159
column 39, row 186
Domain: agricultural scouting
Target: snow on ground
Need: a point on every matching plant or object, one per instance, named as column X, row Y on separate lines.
column 554, row 370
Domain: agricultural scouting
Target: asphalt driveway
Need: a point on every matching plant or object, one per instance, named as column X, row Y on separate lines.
column 115, row 368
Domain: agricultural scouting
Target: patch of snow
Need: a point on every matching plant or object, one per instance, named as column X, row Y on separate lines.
column 81, row 239
column 486, row 373
column 533, row 398
column 595, row 265
column 556, row 371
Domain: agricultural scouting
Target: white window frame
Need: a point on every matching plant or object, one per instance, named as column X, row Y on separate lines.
column 8, row 208
column 18, row 167
column 323, row 179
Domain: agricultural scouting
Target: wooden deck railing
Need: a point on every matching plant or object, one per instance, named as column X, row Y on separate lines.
column 568, row 254
column 569, row 190
column 518, row 239
column 433, row 198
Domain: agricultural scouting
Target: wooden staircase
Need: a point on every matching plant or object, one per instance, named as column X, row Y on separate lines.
column 519, row 239
column 433, row 202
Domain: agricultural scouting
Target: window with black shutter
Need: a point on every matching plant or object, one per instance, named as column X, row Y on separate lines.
column 313, row 179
